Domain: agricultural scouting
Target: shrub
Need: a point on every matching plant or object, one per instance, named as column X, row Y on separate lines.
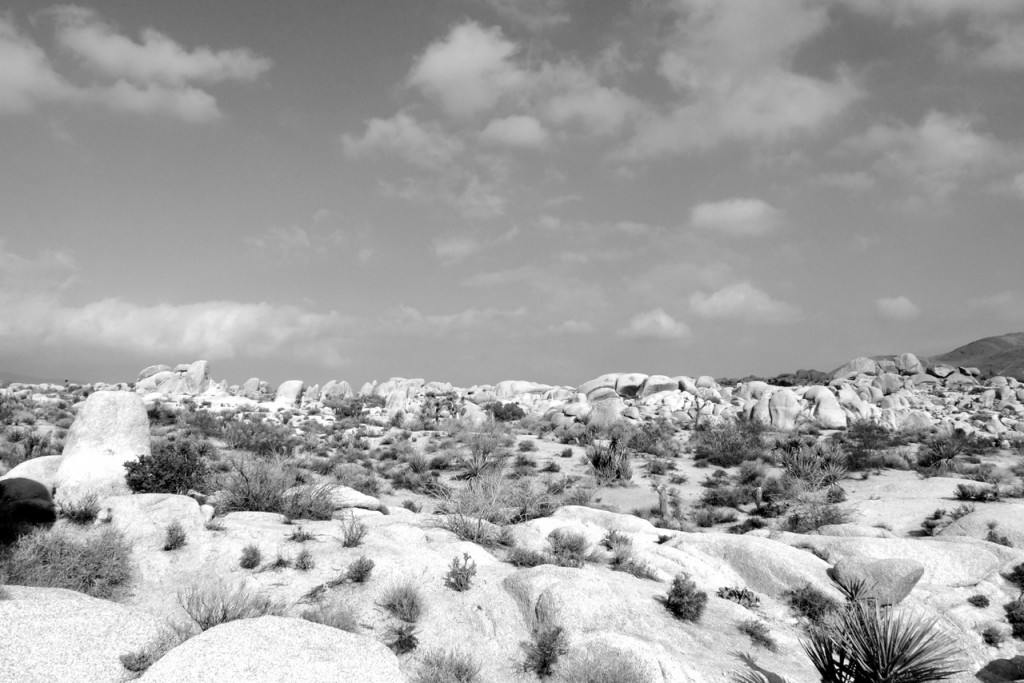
column 402, row 638
column 251, row 557
column 359, row 571
column 505, row 412
column 865, row 439
column 568, row 548
column 610, row 462
column 730, row 443
column 759, row 633
column 404, row 601
column 979, row 601
column 600, row 663
column 684, row 600
column 81, row 511
column 523, row 557
column 460, row 574
column 255, row 485
column 624, row 561
column 526, row 446
column 352, row 532
column 173, row 466
column 1016, row 577
column 708, row 517
column 473, row 511
column 741, row 596
column 980, row 494
column 215, row 602
column 139, row 660
column 565, row 453
column 300, row 535
column 336, row 615
column 174, row 536
column 812, row 603
column 870, row 643
column 264, row 439
column 812, row 511
column 94, row 561
column 309, row 502
column 993, row 636
column 449, row 666
column 304, row 560
column 547, row 647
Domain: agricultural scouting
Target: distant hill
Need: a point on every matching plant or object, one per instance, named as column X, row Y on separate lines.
column 1002, row 355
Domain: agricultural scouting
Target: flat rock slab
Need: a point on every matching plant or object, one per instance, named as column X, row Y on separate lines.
column 886, row 581
column 272, row 649
column 54, row 634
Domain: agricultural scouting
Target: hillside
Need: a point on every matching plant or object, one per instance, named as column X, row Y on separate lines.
column 1002, row 355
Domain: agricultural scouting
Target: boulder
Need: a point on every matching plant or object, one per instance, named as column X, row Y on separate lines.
column 941, row 370
column 250, row 388
column 857, row 366
column 606, row 381
column 628, row 385
column 336, row 390
column 272, row 649
column 607, row 412
column 42, row 469
column 784, row 408
column 886, row 581
column 24, row 505
column 908, row 364
column 827, row 411
column 152, row 370
column 289, row 393
column 656, row 384
column 111, row 428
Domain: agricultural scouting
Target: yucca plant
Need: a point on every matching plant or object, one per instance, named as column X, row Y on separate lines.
column 871, row 644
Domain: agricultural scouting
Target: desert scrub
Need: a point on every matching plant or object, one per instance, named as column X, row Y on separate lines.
column 505, row 412
column 263, row 439
column 980, row 601
column 600, row 663
column 336, row 615
column 261, row 485
column 81, row 511
column 759, row 633
column 304, row 560
column 174, row 536
column 524, row 557
column 544, row 651
column 460, row 574
column 611, row 461
column 448, row 666
column 741, row 596
column 173, row 635
column 402, row 638
column 730, row 443
column 568, row 548
column 978, row 494
column 251, row 557
column 684, row 600
column 360, row 569
column 95, row 561
column 300, row 535
column 352, row 532
column 475, row 512
column 813, row 604
column 173, row 466
column 214, row 602
column 404, row 601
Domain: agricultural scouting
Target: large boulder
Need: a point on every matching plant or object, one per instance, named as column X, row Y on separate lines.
column 336, row 390
column 24, row 504
column 857, row 366
column 827, row 411
column 628, row 384
column 289, row 393
column 271, row 649
column 656, row 384
column 886, row 581
column 42, row 469
column 111, row 429
column 908, row 364
column 784, row 408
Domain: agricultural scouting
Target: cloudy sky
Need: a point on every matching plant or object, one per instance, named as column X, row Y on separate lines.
column 478, row 190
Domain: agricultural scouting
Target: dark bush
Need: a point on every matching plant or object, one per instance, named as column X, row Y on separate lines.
column 460, row 574
column 505, row 412
column 173, row 466
column 251, row 557
column 264, row 439
column 684, row 600
column 730, row 443
column 543, row 653
column 978, row 494
column 812, row 603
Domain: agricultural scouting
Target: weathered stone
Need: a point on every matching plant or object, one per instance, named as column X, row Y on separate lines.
column 784, row 408
column 289, row 393
column 908, row 364
column 886, row 581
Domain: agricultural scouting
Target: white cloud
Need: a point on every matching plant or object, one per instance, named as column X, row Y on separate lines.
column 655, row 324
column 743, row 302
column 402, row 135
column 738, row 216
column 454, row 248
column 27, row 77
column 479, row 199
column 568, row 93
column 896, row 308
column 935, row 158
column 408, row 320
column 731, row 62
column 515, row 131
column 536, row 15
column 184, row 102
column 154, row 59
column 322, row 236
column 469, row 71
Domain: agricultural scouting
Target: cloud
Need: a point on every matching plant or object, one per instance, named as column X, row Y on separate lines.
column 322, row 236
column 469, row 71
column 402, row 135
column 738, row 217
column 896, row 308
column 515, row 131
column 732, row 64
column 454, row 248
column 934, row 158
column 743, row 302
column 154, row 59
column 572, row 327
column 408, row 320
column 536, row 15
column 853, row 181
column 567, row 93
column 655, row 324
column 27, row 77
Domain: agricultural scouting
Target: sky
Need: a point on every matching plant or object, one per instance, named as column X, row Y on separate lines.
column 479, row 190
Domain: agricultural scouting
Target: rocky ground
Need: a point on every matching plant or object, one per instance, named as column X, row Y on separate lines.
column 926, row 507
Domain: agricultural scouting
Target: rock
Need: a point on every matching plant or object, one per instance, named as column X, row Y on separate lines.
column 335, row 391
column 152, row 370
column 276, row 649
column 111, row 428
column 941, row 371
column 656, row 384
column 42, row 469
column 887, row 581
column 345, row 497
column 888, row 383
column 908, row 364
column 857, row 366
column 289, row 393
column 54, row 634
column 607, row 412
column 606, row 381
column 250, row 388
column 706, row 382
column 858, row 530
column 783, row 408
column 144, row 517
column 24, row 505
column 628, row 384
column 827, row 410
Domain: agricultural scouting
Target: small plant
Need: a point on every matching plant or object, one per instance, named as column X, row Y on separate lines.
column 251, row 557
column 624, row 561
column 300, row 535
column 353, row 531
column 547, row 647
column 404, row 601
column 526, row 446
column 140, row 660
column 280, row 562
column 568, row 548
column 402, row 638
column 412, row 506
column 611, row 462
column 173, row 466
column 812, row 603
column 359, row 571
column 684, row 600
column 523, row 557
column 215, row 525
column 81, row 511
column 993, row 636
column 741, row 596
column 1015, row 615
column 216, row 602
column 336, row 615
column 1016, row 577
column 994, row 536
column 565, row 453
column 304, row 560
column 460, row 574
column 979, row 494
column 175, row 536
column 979, row 601
column 450, row 666
column 759, row 633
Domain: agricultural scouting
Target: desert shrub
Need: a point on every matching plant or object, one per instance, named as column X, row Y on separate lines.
column 201, row 422
column 818, row 466
column 174, row 536
column 138, row 661
column 980, row 601
column 352, row 531
column 473, row 512
column 709, row 517
column 730, row 443
column 173, row 466
column 523, row 557
column 684, row 600
column 759, row 633
column 1016, row 577
column 505, row 412
column 304, row 560
column 610, row 461
column 255, row 485
column 95, row 561
column 460, row 574
column 81, row 511
column 360, row 569
column 451, row 666
column 216, row 602
column 865, row 440
column 264, row 439
column 813, row 510
column 623, row 560
column 655, row 438
column 993, row 636
column 404, row 601
column 741, row 596
column 300, row 535
column 336, row 615
column 871, row 643
column 979, row 494
column 993, row 536
column 568, row 548
column 726, row 496
column 812, row 603
column 251, row 557
column 544, row 651
column 1015, row 616
column 526, row 446
column 600, row 663
column 402, row 638
column 565, row 453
